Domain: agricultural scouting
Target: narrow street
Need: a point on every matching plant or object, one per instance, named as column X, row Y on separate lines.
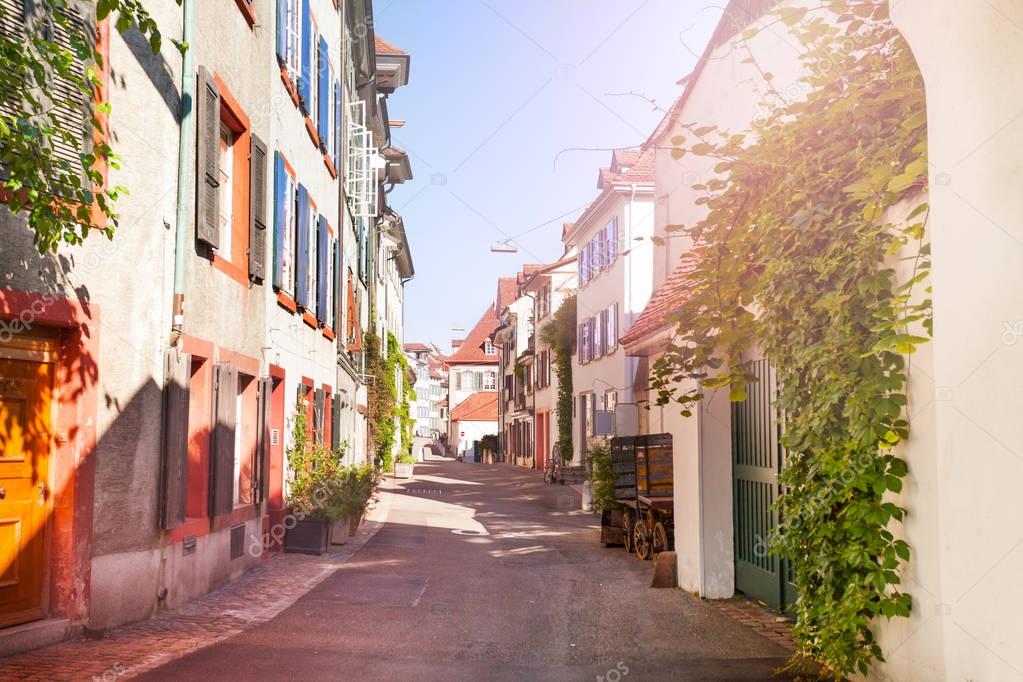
column 481, row 572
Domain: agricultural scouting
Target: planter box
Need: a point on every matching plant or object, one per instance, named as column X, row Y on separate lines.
column 309, row 536
column 403, row 470
column 353, row 525
column 341, row 531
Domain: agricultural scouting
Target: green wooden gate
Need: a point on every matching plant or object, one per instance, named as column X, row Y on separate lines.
column 757, row 458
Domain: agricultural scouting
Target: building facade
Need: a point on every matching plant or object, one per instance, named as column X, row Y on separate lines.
column 613, row 240
column 154, row 419
column 472, row 369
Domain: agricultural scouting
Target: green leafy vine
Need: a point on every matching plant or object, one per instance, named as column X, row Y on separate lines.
column 813, row 247
column 559, row 334
column 390, row 416
column 58, row 69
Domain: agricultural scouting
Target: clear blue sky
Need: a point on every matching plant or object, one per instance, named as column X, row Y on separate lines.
column 498, row 88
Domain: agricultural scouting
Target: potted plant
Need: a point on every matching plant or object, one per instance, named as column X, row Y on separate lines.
column 405, row 465
column 602, row 478
column 316, row 474
column 350, row 499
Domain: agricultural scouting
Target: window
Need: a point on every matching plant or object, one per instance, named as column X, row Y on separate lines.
column 611, row 243
column 611, row 335
column 489, row 349
column 311, row 259
column 610, row 400
column 62, row 99
column 289, row 37
column 285, row 216
column 226, row 177
column 316, row 69
column 490, row 382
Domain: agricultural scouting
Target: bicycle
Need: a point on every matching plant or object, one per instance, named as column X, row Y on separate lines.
column 552, row 472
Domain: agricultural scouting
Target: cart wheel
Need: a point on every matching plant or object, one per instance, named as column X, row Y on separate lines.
column 660, row 540
column 641, row 539
column 627, row 526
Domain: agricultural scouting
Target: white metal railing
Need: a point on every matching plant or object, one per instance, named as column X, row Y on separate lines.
column 360, row 180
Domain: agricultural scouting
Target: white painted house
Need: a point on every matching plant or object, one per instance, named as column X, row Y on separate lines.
column 615, row 274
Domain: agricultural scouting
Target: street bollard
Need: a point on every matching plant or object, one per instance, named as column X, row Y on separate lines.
column 587, row 497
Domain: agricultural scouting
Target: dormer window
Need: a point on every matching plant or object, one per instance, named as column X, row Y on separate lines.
column 489, row 349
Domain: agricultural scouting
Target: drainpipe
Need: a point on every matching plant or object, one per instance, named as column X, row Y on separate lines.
column 185, row 146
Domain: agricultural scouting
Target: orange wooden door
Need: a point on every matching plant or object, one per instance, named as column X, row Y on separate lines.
column 26, row 403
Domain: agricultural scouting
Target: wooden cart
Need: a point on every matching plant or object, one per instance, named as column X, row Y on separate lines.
column 644, row 486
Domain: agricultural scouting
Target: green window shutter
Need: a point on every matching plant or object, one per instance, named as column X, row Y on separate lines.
column 176, row 398
column 207, row 193
column 319, row 402
column 257, row 209
column 225, row 397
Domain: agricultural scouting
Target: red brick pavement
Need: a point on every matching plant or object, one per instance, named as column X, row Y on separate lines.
column 255, row 598
column 758, row 617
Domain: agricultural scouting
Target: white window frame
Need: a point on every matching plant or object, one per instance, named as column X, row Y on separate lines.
column 226, row 190
column 290, row 221
column 293, row 40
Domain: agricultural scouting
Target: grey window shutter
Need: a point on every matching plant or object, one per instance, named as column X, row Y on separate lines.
column 207, row 193
column 261, row 463
column 335, row 422
column 175, row 439
column 225, row 395
column 257, row 209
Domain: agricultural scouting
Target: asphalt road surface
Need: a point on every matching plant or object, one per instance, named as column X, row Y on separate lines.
column 484, row 573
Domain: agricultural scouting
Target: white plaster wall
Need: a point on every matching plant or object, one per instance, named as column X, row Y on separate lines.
column 630, row 283
column 301, row 350
column 473, row 431
column 725, row 95
column 972, row 63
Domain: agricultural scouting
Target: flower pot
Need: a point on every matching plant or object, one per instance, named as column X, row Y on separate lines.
column 403, row 470
column 308, row 536
column 341, row 531
column 353, row 525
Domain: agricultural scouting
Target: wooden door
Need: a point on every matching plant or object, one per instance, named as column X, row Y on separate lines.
column 26, row 404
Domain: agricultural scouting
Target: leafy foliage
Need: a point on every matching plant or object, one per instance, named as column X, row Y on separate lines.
column 602, row 475
column 804, row 249
column 61, row 201
column 390, row 415
column 322, row 486
column 559, row 334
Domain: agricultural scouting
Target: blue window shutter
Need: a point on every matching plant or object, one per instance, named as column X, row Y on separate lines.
column 337, row 125
column 322, row 281
column 305, row 80
column 280, row 215
column 302, row 249
column 323, row 64
column 282, row 31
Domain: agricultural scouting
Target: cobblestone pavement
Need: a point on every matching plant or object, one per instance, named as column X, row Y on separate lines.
column 255, row 598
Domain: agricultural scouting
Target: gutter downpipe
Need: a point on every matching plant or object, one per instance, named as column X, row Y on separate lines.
column 185, row 144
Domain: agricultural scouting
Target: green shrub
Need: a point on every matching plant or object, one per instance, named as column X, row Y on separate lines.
column 602, row 476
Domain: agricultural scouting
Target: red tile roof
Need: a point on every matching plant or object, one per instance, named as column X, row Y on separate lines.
column 507, row 292
column 654, row 317
column 384, row 47
column 629, row 165
column 470, row 352
column 417, row 348
column 479, row 407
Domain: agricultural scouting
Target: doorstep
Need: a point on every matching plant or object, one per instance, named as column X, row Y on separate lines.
column 22, row 638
